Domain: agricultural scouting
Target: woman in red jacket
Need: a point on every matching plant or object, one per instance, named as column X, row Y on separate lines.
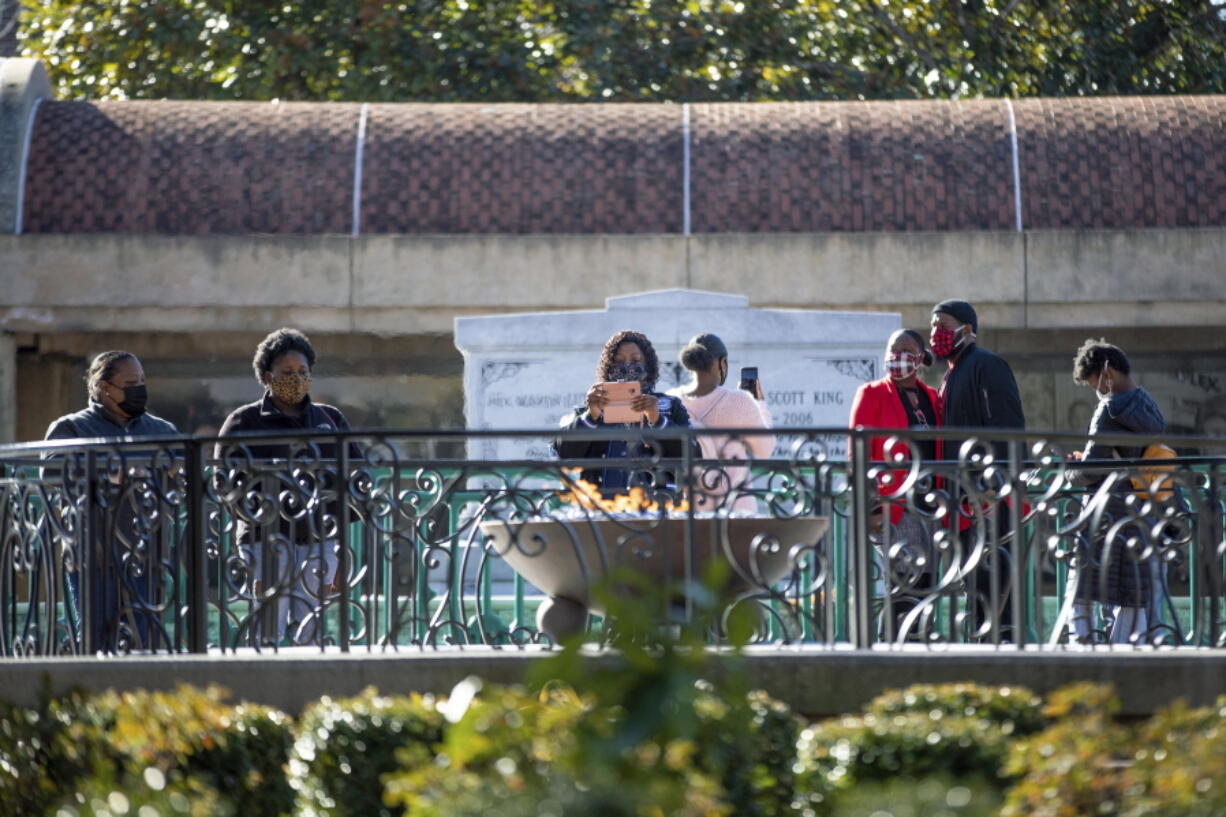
column 901, row 400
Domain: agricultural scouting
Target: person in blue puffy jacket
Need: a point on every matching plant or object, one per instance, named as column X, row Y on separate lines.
column 1108, row 571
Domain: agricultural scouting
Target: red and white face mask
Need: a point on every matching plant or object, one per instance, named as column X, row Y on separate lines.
column 901, row 365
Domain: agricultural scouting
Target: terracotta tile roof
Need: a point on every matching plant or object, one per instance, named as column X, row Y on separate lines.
column 207, row 167
column 852, row 166
column 190, row 168
column 1123, row 162
column 522, row 169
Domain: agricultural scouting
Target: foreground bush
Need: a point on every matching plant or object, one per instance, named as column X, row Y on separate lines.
column 78, row 749
column 150, row 794
column 955, row 732
column 1174, row 765
column 935, row 796
column 643, row 738
column 838, row 756
column 344, row 747
column 517, row 753
column 240, row 751
column 1015, row 709
column 37, row 763
column 1072, row 767
column 1180, row 763
column 750, row 748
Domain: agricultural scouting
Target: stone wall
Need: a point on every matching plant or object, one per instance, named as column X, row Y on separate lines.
column 382, row 308
column 406, row 285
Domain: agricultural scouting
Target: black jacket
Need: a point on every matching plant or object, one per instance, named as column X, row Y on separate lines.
column 1125, row 581
column 981, row 392
column 263, row 415
column 123, row 512
column 614, row 480
column 1130, row 412
column 296, row 523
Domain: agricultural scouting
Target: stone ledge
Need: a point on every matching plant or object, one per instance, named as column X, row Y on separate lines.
column 816, row 681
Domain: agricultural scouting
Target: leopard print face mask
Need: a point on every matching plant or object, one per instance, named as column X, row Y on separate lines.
column 290, row 389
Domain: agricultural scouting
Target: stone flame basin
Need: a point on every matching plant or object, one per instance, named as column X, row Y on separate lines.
column 564, row 557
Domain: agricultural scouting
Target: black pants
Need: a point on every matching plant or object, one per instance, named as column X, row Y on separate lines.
column 118, row 616
column 995, row 560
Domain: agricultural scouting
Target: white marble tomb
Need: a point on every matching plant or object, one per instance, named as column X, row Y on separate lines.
column 525, row 371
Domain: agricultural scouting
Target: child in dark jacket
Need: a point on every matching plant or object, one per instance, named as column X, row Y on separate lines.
column 1107, row 572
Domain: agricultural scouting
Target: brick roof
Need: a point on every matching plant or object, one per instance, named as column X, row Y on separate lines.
column 245, row 167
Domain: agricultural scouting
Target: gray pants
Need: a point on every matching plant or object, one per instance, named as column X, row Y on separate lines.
column 905, row 571
column 1128, row 623
column 302, row 583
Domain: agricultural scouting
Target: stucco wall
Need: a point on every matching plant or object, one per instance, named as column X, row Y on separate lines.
column 381, row 308
column 398, row 285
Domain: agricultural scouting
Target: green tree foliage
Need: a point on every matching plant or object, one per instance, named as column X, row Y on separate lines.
column 625, row 50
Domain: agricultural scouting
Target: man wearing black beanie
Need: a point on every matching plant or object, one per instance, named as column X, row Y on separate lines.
column 979, row 391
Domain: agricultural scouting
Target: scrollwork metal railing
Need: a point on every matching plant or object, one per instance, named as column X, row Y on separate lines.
column 395, row 540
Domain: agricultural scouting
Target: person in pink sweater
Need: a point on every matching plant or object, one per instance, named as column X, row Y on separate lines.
column 713, row 405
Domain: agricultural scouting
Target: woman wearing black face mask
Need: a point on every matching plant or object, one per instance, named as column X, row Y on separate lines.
column 117, row 397
column 627, row 356
column 115, row 383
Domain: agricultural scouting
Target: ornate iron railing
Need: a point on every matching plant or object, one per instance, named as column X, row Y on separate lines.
column 383, row 540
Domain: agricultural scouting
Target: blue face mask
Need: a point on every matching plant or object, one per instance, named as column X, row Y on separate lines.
column 624, row 372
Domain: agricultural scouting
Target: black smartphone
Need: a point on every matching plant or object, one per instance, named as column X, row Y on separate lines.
column 749, row 380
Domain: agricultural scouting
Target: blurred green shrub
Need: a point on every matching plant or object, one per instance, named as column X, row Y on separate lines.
column 1071, row 768
column 1180, row 763
column 1016, row 709
column 517, row 753
column 749, row 746
column 344, row 747
column 148, row 795
column 957, row 732
column 37, row 759
column 936, row 796
column 1087, row 763
column 100, row 744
